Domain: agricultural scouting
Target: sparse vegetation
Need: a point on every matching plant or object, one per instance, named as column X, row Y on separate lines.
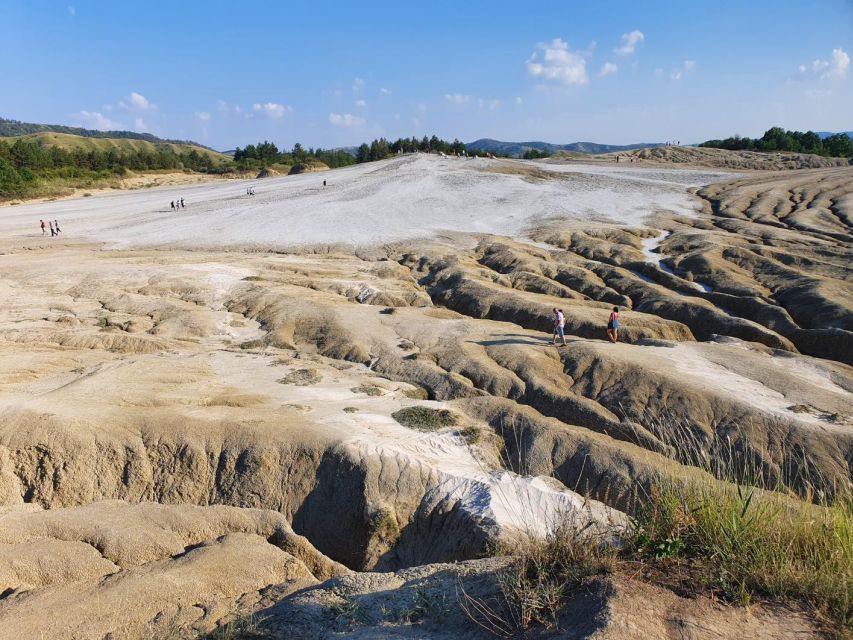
column 424, row 418
column 416, row 392
column 745, row 538
column 248, row 345
column 350, row 409
column 368, row 389
column 302, row 377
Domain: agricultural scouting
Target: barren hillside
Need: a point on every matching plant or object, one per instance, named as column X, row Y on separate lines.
column 254, row 404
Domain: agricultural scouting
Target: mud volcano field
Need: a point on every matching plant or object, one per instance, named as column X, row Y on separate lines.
column 325, row 409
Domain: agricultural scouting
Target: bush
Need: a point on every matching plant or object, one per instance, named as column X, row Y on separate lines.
column 424, row 418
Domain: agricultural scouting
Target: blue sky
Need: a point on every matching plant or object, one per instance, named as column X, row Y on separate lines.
column 332, row 73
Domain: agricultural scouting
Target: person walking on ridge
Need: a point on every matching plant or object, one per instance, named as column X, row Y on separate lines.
column 613, row 325
column 42, row 227
column 52, row 232
column 56, row 224
column 559, row 324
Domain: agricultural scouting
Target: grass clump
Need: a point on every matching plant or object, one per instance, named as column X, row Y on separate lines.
column 253, row 279
column 532, row 589
column 350, row 409
column 749, row 545
column 368, row 389
column 424, row 418
column 252, row 344
column 301, row 377
column 416, row 392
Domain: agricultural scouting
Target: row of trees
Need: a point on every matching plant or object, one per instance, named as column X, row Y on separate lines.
column 264, row 154
column 24, row 165
column 777, row 139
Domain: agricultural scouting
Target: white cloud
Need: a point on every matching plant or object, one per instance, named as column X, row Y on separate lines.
column 457, row 98
column 361, row 104
column 345, row 120
column 491, row 105
column 72, row 11
column 139, row 124
column 679, row 72
column 421, row 107
column 136, row 102
column 519, row 100
column 271, row 109
column 95, row 120
column 607, row 69
column 204, row 116
column 357, row 85
column 828, row 69
column 658, row 73
column 555, row 61
column 629, row 42
column 384, row 91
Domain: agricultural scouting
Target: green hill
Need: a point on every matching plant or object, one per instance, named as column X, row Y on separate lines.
column 71, row 142
column 14, row 128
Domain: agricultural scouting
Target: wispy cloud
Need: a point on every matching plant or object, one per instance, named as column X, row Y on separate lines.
column 95, row 120
column 71, row 11
column 271, row 109
column 555, row 61
column 357, row 85
column 629, row 43
column 384, row 91
column 345, row 120
column 688, row 66
column 607, row 69
column 204, row 116
column 457, row 98
column 828, row 69
column 361, row 104
column 139, row 124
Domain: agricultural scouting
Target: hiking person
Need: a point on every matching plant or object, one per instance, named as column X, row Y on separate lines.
column 324, row 183
column 559, row 324
column 173, row 205
column 613, row 325
column 183, row 206
column 42, row 226
column 56, row 224
column 52, row 232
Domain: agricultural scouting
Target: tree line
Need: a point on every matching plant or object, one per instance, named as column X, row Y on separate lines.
column 264, row 154
column 25, row 167
column 838, row 145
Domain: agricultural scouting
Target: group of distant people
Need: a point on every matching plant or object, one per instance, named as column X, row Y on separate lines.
column 178, row 204
column 250, row 191
column 54, row 227
column 560, row 325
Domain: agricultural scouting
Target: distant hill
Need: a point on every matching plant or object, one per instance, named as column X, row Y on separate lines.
column 825, row 134
column 14, row 128
column 70, row 142
column 518, row 148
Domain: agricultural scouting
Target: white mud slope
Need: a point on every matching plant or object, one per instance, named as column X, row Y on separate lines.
column 373, row 203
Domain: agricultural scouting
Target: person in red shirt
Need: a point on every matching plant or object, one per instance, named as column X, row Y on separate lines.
column 613, row 325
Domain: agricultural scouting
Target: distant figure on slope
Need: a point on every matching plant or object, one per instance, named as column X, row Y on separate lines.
column 617, row 159
column 43, row 227
column 613, row 325
column 52, row 232
column 173, row 205
column 324, row 183
column 183, row 206
column 56, row 224
column 559, row 324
